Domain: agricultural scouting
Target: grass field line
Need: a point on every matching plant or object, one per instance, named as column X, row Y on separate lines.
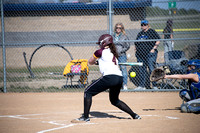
column 187, row 29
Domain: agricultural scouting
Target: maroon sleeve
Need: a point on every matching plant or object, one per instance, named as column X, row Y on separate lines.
column 98, row 53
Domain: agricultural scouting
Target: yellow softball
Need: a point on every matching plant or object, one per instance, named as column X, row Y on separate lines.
column 132, row 74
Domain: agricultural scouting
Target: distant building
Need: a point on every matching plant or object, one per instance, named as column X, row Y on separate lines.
column 136, row 9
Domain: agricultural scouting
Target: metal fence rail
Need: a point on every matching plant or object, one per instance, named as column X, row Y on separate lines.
column 41, row 41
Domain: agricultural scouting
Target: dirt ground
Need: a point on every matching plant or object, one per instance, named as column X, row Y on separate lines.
column 52, row 113
column 64, row 23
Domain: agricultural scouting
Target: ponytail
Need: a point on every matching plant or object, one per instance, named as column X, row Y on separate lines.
column 113, row 50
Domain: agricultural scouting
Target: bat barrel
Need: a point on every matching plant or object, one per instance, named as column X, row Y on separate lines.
column 132, row 63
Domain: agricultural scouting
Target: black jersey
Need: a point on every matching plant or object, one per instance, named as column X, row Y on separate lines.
column 143, row 48
column 167, row 32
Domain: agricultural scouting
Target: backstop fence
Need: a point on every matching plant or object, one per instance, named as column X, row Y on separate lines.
column 39, row 38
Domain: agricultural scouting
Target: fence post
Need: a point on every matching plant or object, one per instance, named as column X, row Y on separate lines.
column 3, row 47
column 110, row 16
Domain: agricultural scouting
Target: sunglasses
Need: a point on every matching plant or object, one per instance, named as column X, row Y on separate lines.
column 118, row 27
column 144, row 24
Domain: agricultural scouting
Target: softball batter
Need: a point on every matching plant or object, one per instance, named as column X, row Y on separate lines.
column 112, row 78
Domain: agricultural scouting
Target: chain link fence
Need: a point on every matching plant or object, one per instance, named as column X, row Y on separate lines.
column 42, row 37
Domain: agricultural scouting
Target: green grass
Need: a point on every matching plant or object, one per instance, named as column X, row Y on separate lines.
column 41, row 73
column 41, row 89
column 22, row 74
column 186, row 22
column 43, row 69
column 177, row 25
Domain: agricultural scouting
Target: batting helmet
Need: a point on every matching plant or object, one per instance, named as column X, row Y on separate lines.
column 105, row 40
column 194, row 62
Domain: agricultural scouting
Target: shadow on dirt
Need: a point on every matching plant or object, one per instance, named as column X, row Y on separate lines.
column 97, row 114
column 176, row 108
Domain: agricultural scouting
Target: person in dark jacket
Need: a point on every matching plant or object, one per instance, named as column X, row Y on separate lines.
column 146, row 52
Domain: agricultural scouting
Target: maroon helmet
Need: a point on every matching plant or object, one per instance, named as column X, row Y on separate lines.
column 105, row 40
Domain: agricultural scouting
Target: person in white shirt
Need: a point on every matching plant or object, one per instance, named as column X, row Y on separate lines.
column 112, row 78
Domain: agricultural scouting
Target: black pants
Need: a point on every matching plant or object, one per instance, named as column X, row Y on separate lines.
column 112, row 82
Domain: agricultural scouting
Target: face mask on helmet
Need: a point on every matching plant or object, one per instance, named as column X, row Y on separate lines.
column 191, row 69
column 193, row 66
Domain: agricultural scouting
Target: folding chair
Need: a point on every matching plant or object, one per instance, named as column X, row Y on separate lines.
column 78, row 67
column 175, row 63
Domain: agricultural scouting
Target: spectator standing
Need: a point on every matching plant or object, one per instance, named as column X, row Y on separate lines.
column 168, row 34
column 146, row 52
column 122, row 47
